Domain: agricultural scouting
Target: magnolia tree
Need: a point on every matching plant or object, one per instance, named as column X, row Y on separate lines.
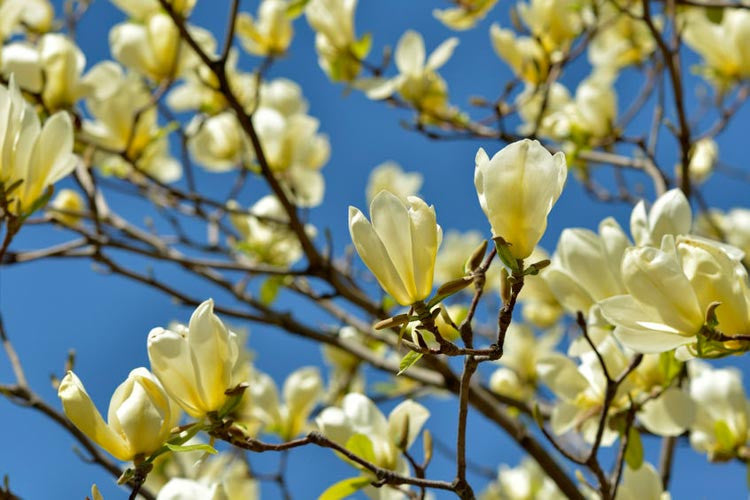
column 579, row 356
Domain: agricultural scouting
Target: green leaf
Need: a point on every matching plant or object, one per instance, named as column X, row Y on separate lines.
column 503, row 253
column 192, row 447
column 269, row 290
column 361, row 47
column 669, row 366
column 408, row 360
column 360, row 445
column 345, row 488
column 634, row 453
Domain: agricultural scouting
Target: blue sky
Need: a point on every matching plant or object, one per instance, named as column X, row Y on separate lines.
column 50, row 307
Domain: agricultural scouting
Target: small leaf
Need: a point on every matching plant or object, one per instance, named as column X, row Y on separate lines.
column 269, row 290
column 503, row 253
column 361, row 47
column 634, row 453
column 192, row 447
column 408, row 360
column 360, row 445
column 669, row 366
column 345, row 488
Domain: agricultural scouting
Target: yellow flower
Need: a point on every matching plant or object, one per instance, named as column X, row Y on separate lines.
column 66, row 207
column 271, row 33
column 195, row 363
column 140, row 414
column 36, row 156
column 525, row 55
column 399, row 246
column 517, row 189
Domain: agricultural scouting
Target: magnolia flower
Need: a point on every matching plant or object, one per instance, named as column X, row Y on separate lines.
column 265, row 234
column 664, row 409
column 721, row 44
column 525, row 56
column 301, row 392
column 517, row 189
column 34, row 156
column 271, row 33
column 344, row 375
column 527, row 481
column 620, row 40
column 670, row 290
column 339, row 53
column 389, row 176
column 703, row 157
column 295, row 151
column 154, row 48
column 359, row 419
column 555, row 22
column 188, row 489
column 399, row 246
column 340, row 359
column 455, row 249
column 586, row 267
column 34, row 15
column 594, row 109
column 221, row 477
column 123, row 121
column 195, row 363
column 581, row 389
column 723, row 411
column 141, row 9
column 199, row 89
column 555, row 122
column 734, row 225
column 505, row 382
column 291, row 141
column 418, row 81
column 670, row 214
column 283, row 95
column 465, row 15
column 218, row 142
column 195, row 472
column 52, row 69
column 67, row 206
column 643, row 483
column 140, row 417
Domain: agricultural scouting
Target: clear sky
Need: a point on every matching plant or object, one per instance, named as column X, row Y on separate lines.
column 52, row 306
